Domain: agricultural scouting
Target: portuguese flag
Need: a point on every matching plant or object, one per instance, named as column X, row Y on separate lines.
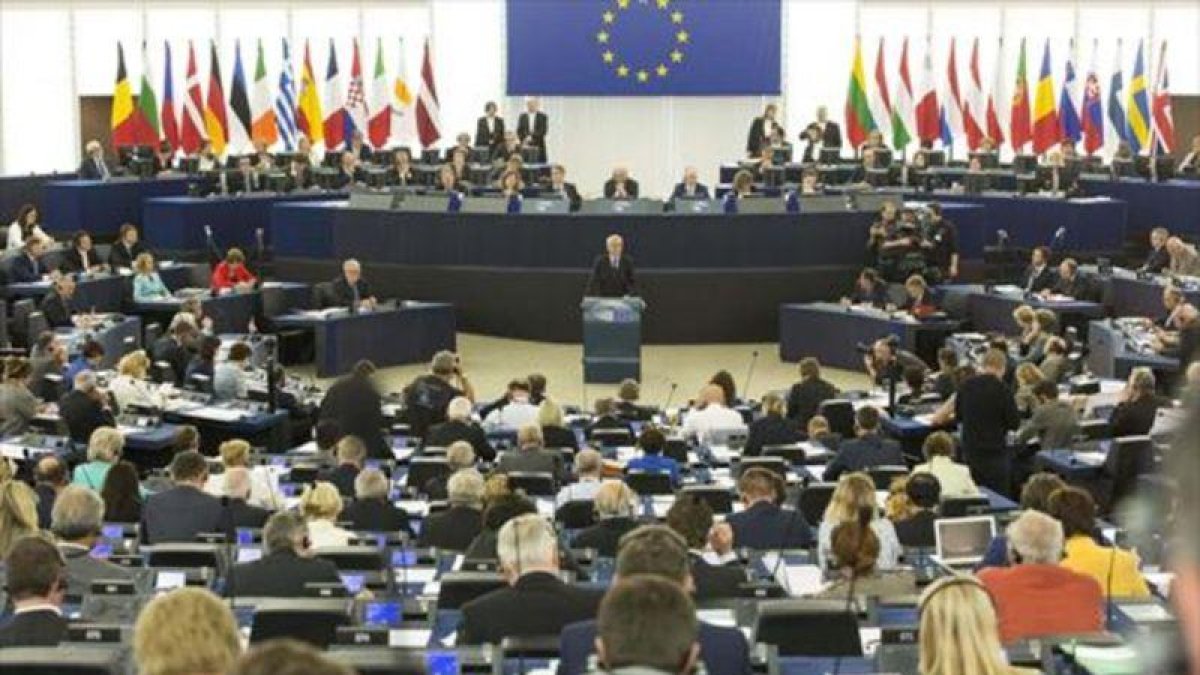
column 858, row 111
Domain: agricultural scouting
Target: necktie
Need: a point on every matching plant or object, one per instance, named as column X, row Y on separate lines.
column 354, row 295
column 616, row 262
column 36, row 271
column 100, row 166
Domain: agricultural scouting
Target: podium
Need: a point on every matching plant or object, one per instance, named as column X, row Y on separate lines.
column 612, row 339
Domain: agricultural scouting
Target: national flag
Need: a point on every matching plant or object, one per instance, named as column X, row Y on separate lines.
column 429, row 112
column 1117, row 129
column 1046, row 133
column 1164, row 122
column 215, row 122
column 944, row 132
column 356, row 100
column 335, row 121
column 1137, row 111
column 1092, row 117
column 974, row 113
column 997, row 97
column 239, row 104
column 170, row 124
column 952, row 100
column 928, row 115
column 124, row 116
column 405, row 124
column 308, row 115
column 880, row 98
column 379, row 128
column 904, row 121
column 285, row 102
column 1020, row 126
column 1068, row 101
column 192, row 119
column 148, row 127
column 262, row 110
column 858, row 111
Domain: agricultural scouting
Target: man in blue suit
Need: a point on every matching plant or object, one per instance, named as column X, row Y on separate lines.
column 870, row 449
column 26, row 267
column 763, row 524
column 691, row 187
column 658, row 551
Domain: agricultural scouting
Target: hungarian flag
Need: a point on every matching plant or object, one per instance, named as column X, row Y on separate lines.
column 429, row 112
column 262, row 109
column 239, row 104
column 1164, row 122
column 880, row 100
column 335, row 122
column 1092, row 115
column 1021, row 128
column 928, row 122
column 1068, row 101
column 380, row 126
column 170, row 125
column 952, row 101
column 214, row 106
column 858, row 111
column 193, row 111
column 904, row 122
column 308, row 114
column 148, row 127
column 1046, row 132
column 402, row 105
column 356, row 100
column 126, row 121
column 974, row 115
column 996, row 98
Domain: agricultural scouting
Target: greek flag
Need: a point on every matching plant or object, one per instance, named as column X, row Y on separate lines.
column 285, row 102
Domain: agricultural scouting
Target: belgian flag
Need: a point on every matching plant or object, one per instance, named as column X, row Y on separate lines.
column 128, row 124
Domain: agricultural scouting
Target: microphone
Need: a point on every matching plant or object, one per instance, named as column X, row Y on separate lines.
column 1002, row 239
column 1059, row 235
column 749, row 374
column 670, row 395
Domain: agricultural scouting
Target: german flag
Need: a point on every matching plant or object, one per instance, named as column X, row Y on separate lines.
column 126, row 120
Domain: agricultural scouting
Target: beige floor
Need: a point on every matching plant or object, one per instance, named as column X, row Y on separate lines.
column 490, row 362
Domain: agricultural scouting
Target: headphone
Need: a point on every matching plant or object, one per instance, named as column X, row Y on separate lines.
column 951, row 582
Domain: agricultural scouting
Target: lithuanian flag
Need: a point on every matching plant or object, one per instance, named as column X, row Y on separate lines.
column 858, row 112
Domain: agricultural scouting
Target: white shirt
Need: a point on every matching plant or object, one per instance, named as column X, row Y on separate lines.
column 955, row 479
column 512, row 416
column 583, row 491
column 701, row 423
column 264, row 488
column 324, row 534
column 889, row 543
column 128, row 390
column 16, row 241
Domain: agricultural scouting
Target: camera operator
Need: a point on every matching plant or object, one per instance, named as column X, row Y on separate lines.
column 885, row 361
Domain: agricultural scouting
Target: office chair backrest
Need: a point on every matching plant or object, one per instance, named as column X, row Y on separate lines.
column 840, row 414
column 777, row 465
column 63, row 660
column 533, row 483
column 183, row 555
column 677, row 449
column 611, row 438
column 322, row 294
column 151, row 333
column 719, row 499
column 311, row 620
column 814, row 498
column 792, row 453
column 1129, row 458
column 421, row 470
column 21, row 309
column 576, row 515
column 808, row 628
column 354, row 558
column 959, row 507
column 883, row 475
column 459, row 588
column 647, row 483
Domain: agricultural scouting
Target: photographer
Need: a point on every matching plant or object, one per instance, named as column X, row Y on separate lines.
column 885, row 361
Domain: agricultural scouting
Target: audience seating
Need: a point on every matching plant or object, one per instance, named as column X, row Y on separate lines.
column 311, row 620
column 808, row 628
column 533, row 483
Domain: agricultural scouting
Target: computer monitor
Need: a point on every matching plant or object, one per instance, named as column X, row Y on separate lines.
column 987, row 160
column 1024, row 163
column 976, row 182
column 883, row 157
column 781, row 155
column 689, row 206
column 963, row 541
column 545, row 205
column 830, row 155
column 485, row 205
column 878, row 177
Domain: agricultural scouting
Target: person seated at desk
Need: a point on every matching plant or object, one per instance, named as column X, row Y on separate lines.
column 489, row 129
column 509, row 147
column 1032, row 335
column 861, row 173
column 400, row 173
column 1038, row 276
column 919, row 302
column 94, row 166
column 351, row 289
column 805, row 397
column 764, row 163
column 164, row 159
column 763, row 524
column 1135, row 414
column 921, row 494
column 1054, row 421
column 18, row 405
column 510, row 189
column 559, row 186
column 1184, row 261
column 853, row 497
column 26, row 225
column 1190, row 164
column 690, row 187
column 126, row 249
column 1114, row 569
column 869, row 290
column 867, row 450
column 449, row 185
column 887, row 362
column 372, row 509
column 1177, row 305
column 206, row 158
column 460, row 165
column 349, row 172
column 855, row 550
column 616, row 508
column 58, row 305
column 462, row 147
column 515, row 410
column 147, row 285
column 1159, row 258
column 957, row 627
column 229, row 376
column 1072, row 283
column 37, row 577
column 299, row 173
column 1054, row 364
column 287, row 565
column 459, row 427
column 91, row 354
column 1027, row 376
column 773, row 428
column 620, row 185
column 743, row 187
column 174, row 349
column 131, row 387
column 322, row 506
column 232, row 273
column 245, row 179
column 360, row 150
column 710, row 415
column 954, row 479
column 27, row 267
column 914, row 379
column 761, row 129
column 304, row 148
column 652, row 442
column 85, row 408
column 513, row 163
column 81, row 257
column 874, row 141
column 811, row 136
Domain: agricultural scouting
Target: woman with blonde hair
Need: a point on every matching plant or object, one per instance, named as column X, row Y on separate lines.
column 1027, row 377
column 321, row 505
column 264, row 487
column 188, row 630
column 131, row 386
column 18, row 513
column 958, row 633
column 616, row 506
column 104, row 450
column 147, row 285
column 555, row 433
column 855, row 494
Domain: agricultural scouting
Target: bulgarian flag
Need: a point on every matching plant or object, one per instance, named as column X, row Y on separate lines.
column 262, row 108
column 858, row 110
column 148, row 127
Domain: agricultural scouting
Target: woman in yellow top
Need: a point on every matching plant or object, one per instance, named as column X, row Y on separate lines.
column 1114, row 569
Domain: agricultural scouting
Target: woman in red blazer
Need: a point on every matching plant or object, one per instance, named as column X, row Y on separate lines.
column 232, row 273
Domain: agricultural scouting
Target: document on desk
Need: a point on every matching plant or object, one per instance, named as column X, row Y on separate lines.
column 12, row 451
column 217, row 414
column 1008, row 289
column 797, row 580
column 1091, row 457
column 408, row 638
column 321, row 314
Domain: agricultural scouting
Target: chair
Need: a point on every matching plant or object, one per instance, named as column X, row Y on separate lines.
column 459, row 588
column 63, row 660
column 611, row 438
column 1129, row 458
column 840, row 414
column 814, row 498
column 677, row 449
column 150, row 335
column 792, row 453
column 354, row 558
column 883, row 475
column 183, row 555
column 199, row 276
column 959, row 507
column 576, row 515
column 774, row 464
column 650, row 483
column 421, row 470
column 311, row 620
column 533, row 483
column 719, row 499
column 322, row 295
column 808, row 628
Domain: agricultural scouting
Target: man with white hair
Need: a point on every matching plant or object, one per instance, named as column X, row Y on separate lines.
column 459, row 427
column 85, row 408
column 1036, row 596
column 690, row 187
column 710, row 415
column 516, row 411
column 532, row 127
column 76, row 521
column 236, row 483
column 94, row 166
column 372, row 510
column 287, row 563
column 455, row 528
column 589, row 467
column 351, row 289
column 620, row 186
column 531, row 455
column 612, row 272
column 536, row 602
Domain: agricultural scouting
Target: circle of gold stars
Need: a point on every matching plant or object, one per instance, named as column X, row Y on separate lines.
column 642, row 73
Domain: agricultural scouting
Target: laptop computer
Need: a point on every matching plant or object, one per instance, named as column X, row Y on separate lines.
column 962, row 542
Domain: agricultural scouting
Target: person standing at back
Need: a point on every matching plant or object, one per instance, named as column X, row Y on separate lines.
column 354, row 401
column 985, row 408
column 426, row 398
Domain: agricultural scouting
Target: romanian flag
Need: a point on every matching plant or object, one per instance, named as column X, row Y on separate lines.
column 309, row 119
column 1020, row 129
column 858, row 111
column 1138, row 109
column 215, row 122
column 125, row 117
column 1046, row 130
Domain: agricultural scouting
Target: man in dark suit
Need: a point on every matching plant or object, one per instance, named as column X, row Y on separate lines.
column 690, row 187
column 349, row 172
column 1135, row 414
column 85, row 408
column 764, row 524
column 620, row 185
column 351, row 289
column 57, row 306
column 287, row 563
column 831, row 133
column 27, row 267
column 459, row 427
column 1038, row 276
column 239, row 512
column 126, row 248
column 560, row 186
column 532, row 127
column 245, row 179
column 94, row 166
column 657, row 552
column 772, row 428
column 868, row 450
column 925, row 493
column 354, row 401
column 692, row 518
column 1074, row 284
column 761, row 129
column 455, row 528
column 647, row 625
column 351, row 453
column 76, row 521
column 536, row 602
column 489, row 129
column 806, row 396
column 173, row 348
column 812, row 144
column 36, row 577
column 182, row 512
column 986, row 411
column 50, row 478
column 612, row 272
column 1159, row 258
column 372, row 511
column 869, row 289
column 531, row 456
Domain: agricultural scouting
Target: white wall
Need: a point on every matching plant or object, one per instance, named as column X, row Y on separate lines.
column 53, row 51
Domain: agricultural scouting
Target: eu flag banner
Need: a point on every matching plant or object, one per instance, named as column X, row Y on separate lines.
column 643, row 47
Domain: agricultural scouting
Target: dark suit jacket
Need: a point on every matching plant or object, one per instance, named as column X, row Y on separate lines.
column 279, row 575
column 559, row 437
column 609, row 282
column 342, row 476
column 680, row 191
column 72, row 261
column 355, row 404
column 756, row 136
column 168, row 349
column 1157, row 260
column 82, row 414
column 119, row 256
column 628, row 410
column 986, row 412
column 865, row 452
column 89, row 171
column 177, row 515
column 33, row 629
column 572, row 195
column 805, row 399
column 24, row 269
column 252, row 181
column 376, row 515
column 442, row 435
column 57, row 310
column 917, row 531
column 1039, row 281
column 604, row 535
column 538, row 129
column 453, row 529
column 716, row 581
column 831, row 135
column 722, row 650
column 344, row 180
column 1135, row 418
column 343, row 296
column 631, row 188
column 240, row 514
column 811, row 155
column 1080, row 288
column 532, row 461
column 489, row 140
column 537, row 604
column 763, row 526
column 770, row 430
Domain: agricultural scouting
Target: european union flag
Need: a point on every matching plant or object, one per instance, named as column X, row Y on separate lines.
column 644, row 47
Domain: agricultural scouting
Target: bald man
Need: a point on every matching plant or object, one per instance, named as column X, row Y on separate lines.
column 710, row 414
column 691, row 187
column 612, row 272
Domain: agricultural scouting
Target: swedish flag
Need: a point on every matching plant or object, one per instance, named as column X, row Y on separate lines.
column 1138, row 109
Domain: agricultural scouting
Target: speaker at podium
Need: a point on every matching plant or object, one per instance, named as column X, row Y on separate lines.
column 612, row 339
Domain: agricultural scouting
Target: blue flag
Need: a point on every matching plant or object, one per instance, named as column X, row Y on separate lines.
column 644, row 47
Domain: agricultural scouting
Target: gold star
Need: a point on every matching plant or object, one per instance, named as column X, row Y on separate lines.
column 602, row 37
column 677, row 16
column 661, row 70
column 682, row 37
column 677, row 56
column 643, row 76
column 607, row 56
column 608, row 17
column 623, row 4
column 622, row 70
column 662, row 4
